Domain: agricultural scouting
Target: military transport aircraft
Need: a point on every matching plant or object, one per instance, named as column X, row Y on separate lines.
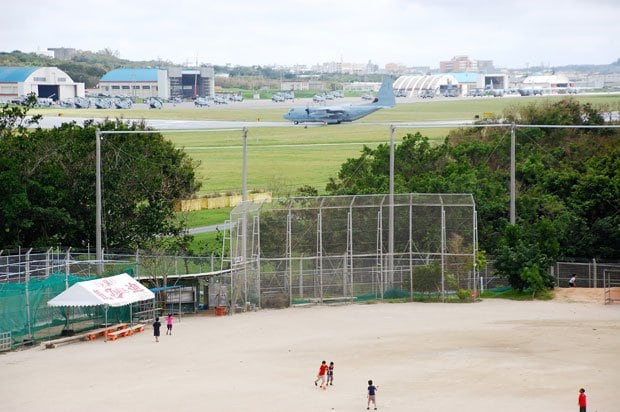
column 344, row 113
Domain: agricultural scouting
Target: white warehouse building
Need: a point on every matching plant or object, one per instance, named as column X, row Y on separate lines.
column 44, row 82
column 412, row 85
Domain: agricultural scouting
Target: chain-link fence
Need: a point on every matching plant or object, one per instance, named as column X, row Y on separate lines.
column 348, row 248
column 30, row 278
column 587, row 274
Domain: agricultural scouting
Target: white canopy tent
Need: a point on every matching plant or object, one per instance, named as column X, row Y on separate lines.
column 119, row 290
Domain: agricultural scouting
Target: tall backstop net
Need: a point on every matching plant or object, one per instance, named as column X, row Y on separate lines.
column 352, row 248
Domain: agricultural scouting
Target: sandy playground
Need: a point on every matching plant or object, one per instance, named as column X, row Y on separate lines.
column 494, row 355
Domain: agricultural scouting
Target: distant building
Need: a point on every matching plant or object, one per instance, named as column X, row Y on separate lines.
column 395, row 68
column 47, row 82
column 419, row 70
column 294, row 85
column 469, row 81
column 496, row 81
column 458, row 64
column 346, row 68
column 486, row 66
column 362, row 87
column 141, row 83
column 160, row 82
column 62, row 53
column 556, row 83
column 412, row 85
column 190, row 83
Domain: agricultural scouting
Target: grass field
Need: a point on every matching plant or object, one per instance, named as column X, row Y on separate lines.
column 279, row 159
column 282, row 159
column 205, row 217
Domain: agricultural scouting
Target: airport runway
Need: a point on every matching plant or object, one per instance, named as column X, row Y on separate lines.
column 48, row 122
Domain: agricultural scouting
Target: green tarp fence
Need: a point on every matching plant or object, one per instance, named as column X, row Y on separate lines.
column 36, row 320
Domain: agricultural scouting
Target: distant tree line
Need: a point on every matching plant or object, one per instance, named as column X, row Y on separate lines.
column 88, row 67
column 568, row 184
column 85, row 67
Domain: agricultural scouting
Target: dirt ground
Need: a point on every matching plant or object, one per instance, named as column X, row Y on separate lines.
column 487, row 356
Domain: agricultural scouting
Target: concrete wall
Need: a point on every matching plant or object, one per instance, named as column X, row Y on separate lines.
column 217, row 202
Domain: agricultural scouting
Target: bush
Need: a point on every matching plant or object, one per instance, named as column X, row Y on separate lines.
column 464, row 295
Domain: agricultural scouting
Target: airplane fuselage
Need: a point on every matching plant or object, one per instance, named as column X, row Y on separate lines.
column 329, row 114
column 343, row 113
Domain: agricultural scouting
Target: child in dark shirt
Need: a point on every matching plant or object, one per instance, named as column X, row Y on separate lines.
column 372, row 390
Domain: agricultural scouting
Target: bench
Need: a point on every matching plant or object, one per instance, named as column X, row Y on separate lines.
column 137, row 328
column 116, row 334
column 126, row 331
column 93, row 334
column 339, row 299
column 53, row 343
column 119, row 329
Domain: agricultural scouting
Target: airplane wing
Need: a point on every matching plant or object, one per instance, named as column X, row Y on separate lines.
column 327, row 113
column 329, row 110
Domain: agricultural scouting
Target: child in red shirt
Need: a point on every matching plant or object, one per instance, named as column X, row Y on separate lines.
column 321, row 374
column 582, row 401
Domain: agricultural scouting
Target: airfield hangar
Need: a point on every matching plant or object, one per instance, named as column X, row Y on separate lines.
column 556, row 83
column 159, row 82
column 44, row 82
column 190, row 83
column 413, row 85
column 463, row 82
column 139, row 83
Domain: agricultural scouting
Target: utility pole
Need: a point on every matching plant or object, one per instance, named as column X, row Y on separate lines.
column 513, row 195
column 244, row 220
column 98, row 245
column 391, row 211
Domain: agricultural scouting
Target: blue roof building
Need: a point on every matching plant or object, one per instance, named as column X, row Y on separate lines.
column 48, row 82
column 16, row 74
column 467, row 77
column 131, row 75
column 142, row 83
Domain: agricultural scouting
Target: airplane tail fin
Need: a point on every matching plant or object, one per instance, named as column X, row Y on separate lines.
column 385, row 96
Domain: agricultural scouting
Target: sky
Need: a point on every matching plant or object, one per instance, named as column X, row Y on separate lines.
column 513, row 34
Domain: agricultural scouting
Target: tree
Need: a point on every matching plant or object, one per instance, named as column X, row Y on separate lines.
column 47, row 193
column 14, row 120
column 568, row 184
column 532, row 276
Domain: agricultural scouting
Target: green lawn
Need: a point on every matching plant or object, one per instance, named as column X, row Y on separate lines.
column 282, row 159
column 205, row 217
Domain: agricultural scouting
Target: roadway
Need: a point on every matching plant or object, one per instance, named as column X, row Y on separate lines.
column 49, row 122
column 207, row 229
